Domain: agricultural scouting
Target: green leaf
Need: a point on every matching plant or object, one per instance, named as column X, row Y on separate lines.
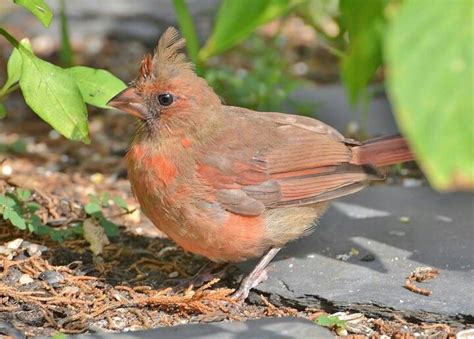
column 120, row 202
column 14, row 66
column 35, row 225
column 186, row 25
column 7, row 201
column 53, row 94
column 32, row 206
column 3, row 111
column 39, row 9
column 15, row 218
column 59, row 335
column 19, row 146
column 97, row 86
column 104, row 199
column 58, row 235
column 237, row 19
column 330, row 321
column 430, row 80
column 365, row 24
column 110, row 228
column 92, row 208
column 23, row 194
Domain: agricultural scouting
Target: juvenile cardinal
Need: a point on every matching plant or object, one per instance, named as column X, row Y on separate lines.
column 229, row 183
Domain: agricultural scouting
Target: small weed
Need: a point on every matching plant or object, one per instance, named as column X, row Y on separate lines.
column 20, row 209
column 263, row 84
column 331, row 321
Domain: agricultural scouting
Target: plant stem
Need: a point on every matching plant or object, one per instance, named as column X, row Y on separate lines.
column 6, row 91
column 65, row 53
column 188, row 30
column 10, row 38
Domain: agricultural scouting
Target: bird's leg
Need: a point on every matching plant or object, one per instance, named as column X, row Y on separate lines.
column 205, row 274
column 255, row 277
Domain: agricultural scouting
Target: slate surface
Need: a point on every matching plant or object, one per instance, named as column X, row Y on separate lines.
column 402, row 228
column 332, row 107
column 267, row 328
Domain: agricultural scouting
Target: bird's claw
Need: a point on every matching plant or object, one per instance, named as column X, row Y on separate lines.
column 249, row 282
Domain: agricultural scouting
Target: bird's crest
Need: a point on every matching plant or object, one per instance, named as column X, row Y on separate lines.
column 168, row 60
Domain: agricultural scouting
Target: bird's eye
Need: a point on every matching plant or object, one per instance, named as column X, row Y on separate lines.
column 165, row 99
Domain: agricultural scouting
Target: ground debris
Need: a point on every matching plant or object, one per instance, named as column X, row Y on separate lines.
column 62, row 298
column 420, row 274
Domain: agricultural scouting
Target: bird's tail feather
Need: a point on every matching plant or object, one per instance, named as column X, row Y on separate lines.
column 382, row 151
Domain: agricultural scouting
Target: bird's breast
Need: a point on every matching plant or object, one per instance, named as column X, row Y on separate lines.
column 185, row 211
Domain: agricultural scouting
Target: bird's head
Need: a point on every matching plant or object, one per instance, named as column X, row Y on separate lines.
column 167, row 91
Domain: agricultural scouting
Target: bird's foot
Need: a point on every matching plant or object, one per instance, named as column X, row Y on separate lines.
column 255, row 277
column 249, row 282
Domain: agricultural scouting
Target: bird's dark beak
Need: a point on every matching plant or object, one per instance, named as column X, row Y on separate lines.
column 129, row 101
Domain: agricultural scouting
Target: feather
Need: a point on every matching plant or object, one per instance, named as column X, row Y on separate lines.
column 168, row 60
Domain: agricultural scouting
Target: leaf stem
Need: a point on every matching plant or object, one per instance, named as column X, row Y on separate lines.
column 188, row 30
column 65, row 52
column 10, row 38
column 5, row 91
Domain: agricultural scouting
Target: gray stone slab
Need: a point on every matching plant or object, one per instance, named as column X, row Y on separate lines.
column 332, row 106
column 266, row 328
column 402, row 228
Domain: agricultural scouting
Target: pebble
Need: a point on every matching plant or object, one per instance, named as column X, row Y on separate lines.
column 397, row 233
column 51, row 277
column 7, row 170
column 25, row 279
column 465, row 334
column 368, row 257
column 404, row 219
column 33, row 249
column 173, row 274
column 14, row 244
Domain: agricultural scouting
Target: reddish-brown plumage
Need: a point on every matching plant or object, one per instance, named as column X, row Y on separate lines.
column 229, row 183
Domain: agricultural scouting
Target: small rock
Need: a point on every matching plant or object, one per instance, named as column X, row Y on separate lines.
column 9, row 331
column 368, row 257
column 397, row 233
column 35, row 249
column 12, row 276
column 118, row 323
column 343, row 257
column 412, row 182
column 404, row 219
column 20, row 256
column 347, row 256
column 14, row 244
column 32, row 316
column 25, row 279
column 7, row 170
column 173, row 274
column 342, row 332
column 51, row 277
column 466, row 334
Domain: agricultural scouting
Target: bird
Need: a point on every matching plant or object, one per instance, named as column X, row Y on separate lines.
column 229, row 183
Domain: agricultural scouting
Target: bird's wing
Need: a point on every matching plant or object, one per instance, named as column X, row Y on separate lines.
column 270, row 160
